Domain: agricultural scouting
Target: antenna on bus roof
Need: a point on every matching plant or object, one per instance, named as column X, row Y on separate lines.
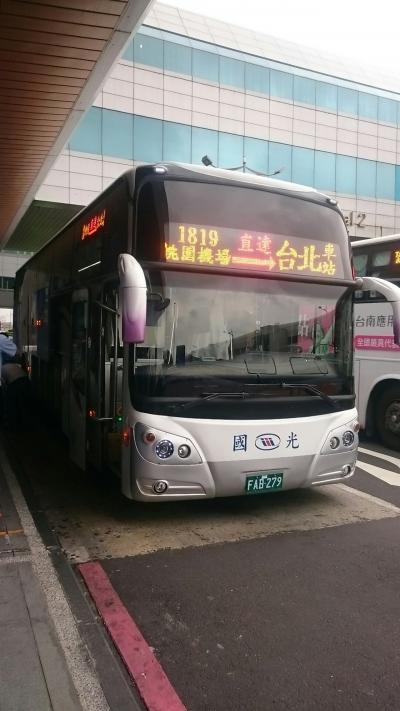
column 244, row 167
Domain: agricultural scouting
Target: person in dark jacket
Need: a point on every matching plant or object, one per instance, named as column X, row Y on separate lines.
column 16, row 394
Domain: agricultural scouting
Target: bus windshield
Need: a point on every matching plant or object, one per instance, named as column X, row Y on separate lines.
column 218, row 346
column 238, row 227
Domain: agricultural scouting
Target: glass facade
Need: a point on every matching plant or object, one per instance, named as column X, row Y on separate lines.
column 244, row 71
column 122, row 135
column 292, row 128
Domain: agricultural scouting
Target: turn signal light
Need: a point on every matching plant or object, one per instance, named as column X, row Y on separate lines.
column 126, row 436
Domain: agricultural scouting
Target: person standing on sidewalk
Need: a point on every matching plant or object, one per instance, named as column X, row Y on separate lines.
column 16, row 394
column 8, row 350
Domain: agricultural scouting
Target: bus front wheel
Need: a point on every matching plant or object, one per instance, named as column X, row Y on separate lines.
column 388, row 417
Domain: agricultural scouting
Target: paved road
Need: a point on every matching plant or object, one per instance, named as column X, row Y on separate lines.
column 378, row 472
column 277, row 602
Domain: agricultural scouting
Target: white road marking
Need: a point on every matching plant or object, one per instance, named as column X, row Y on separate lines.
column 381, row 455
column 386, row 475
column 372, row 499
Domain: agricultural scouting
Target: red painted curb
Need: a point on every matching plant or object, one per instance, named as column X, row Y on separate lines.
column 155, row 689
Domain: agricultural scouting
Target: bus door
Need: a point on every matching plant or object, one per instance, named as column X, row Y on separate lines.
column 78, row 378
column 105, row 381
column 61, row 347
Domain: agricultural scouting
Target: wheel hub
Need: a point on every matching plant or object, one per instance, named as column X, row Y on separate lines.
column 392, row 417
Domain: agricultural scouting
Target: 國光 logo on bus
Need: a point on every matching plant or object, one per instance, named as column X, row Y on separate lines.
column 267, row 441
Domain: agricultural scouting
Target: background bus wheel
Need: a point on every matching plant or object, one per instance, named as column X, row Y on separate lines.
column 388, row 417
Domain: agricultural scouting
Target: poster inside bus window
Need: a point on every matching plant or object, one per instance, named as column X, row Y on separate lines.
column 246, row 249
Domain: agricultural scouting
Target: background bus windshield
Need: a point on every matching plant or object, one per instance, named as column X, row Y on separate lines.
column 230, row 347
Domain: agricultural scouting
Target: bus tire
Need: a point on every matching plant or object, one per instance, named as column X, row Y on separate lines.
column 388, row 417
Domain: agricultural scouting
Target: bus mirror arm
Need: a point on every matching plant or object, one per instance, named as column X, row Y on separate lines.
column 132, row 299
column 391, row 292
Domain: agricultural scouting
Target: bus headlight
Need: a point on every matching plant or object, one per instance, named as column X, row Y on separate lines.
column 348, row 438
column 342, row 439
column 165, row 448
column 334, row 442
column 184, row 451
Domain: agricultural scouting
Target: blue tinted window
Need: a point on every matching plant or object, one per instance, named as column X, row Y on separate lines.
column 148, row 50
column 147, row 139
column 177, row 142
column 205, row 65
column 280, row 158
column 324, row 170
column 281, row 85
column 346, row 171
column 385, row 181
column 367, row 106
column 387, row 110
column 304, row 90
column 117, row 134
column 256, row 154
column 366, row 177
column 177, row 58
column 87, row 135
column 327, row 96
column 230, row 153
column 231, row 72
column 303, row 166
column 128, row 52
column 347, row 101
column 256, row 78
column 204, row 143
column 397, row 188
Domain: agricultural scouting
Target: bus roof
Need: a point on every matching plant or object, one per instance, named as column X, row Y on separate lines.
column 196, row 172
column 237, row 176
column 376, row 240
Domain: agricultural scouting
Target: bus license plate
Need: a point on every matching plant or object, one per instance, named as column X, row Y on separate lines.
column 264, row 482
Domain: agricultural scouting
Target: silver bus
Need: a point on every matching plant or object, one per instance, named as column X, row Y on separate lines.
column 191, row 330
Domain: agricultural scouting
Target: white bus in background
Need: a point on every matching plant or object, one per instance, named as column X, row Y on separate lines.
column 377, row 357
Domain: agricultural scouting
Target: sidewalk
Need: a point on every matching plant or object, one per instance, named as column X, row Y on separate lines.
column 34, row 674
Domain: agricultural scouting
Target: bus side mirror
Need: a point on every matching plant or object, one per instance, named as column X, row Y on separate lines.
column 132, row 299
column 391, row 292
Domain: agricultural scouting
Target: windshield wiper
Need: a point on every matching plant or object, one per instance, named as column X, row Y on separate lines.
column 312, row 389
column 209, row 396
column 244, row 395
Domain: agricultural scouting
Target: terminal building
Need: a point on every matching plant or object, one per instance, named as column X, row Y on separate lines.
column 187, row 86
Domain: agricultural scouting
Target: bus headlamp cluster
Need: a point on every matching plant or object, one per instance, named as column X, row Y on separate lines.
column 342, row 439
column 347, row 440
column 163, row 447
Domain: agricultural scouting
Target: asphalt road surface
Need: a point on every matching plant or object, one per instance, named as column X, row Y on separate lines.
column 282, row 601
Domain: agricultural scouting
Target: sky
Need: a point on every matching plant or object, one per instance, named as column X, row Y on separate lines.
column 368, row 31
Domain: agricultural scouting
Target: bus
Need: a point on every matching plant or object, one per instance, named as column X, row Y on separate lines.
column 191, row 330
column 377, row 356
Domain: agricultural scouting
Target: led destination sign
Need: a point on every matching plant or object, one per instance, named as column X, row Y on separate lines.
column 242, row 249
column 90, row 228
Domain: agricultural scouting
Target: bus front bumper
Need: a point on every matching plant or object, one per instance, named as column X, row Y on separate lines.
column 217, row 479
